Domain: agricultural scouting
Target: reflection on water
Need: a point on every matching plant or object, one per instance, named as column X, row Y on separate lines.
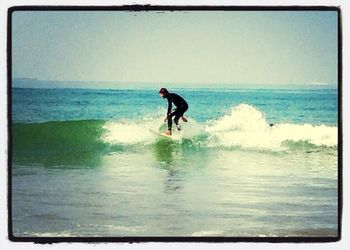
column 167, row 153
column 164, row 150
column 173, row 189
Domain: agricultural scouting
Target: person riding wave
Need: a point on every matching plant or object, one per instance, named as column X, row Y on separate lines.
column 181, row 108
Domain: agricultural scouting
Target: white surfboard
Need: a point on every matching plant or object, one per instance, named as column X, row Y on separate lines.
column 160, row 134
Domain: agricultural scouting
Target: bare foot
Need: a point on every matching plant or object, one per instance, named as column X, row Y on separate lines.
column 184, row 119
column 168, row 132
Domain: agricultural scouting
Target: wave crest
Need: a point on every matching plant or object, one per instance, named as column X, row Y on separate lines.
column 246, row 127
column 243, row 126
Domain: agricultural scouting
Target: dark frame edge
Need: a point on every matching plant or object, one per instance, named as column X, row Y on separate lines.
column 191, row 239
column 340, row 123
column 10, row 235
column 148, row 7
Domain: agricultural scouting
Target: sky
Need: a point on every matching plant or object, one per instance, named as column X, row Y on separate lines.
column 195, row 48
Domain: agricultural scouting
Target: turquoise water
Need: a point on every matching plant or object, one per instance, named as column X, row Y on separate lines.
column 85, row 163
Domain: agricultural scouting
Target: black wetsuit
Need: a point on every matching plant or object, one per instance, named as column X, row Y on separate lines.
column 181, row 108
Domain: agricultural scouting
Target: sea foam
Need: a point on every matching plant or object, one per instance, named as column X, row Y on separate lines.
column 244, row 126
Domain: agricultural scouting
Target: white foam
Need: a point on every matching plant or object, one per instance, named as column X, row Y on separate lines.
column 246, row 127
column 130, row 132
column 135, row 132
column 190, row 129
column 243, row 117
column 208, row 233
column 46, row 234
column 321, row 135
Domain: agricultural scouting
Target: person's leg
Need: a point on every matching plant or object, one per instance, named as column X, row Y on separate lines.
column 182, row 114
column 176, row 119
column 170, row 120
column 179, row 114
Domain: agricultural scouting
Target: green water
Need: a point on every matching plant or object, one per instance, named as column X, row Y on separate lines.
column 85, row 164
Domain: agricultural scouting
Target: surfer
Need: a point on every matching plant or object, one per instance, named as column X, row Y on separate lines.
column 181, row 108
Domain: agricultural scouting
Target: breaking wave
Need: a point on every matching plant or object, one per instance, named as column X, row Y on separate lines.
column 243, row 127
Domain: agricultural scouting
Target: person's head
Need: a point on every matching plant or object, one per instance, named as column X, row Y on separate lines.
column 163, row 92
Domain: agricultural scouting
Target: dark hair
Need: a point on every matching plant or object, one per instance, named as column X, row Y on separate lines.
column 164, row 91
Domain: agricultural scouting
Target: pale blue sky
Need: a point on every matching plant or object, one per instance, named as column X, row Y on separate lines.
column 235, row 47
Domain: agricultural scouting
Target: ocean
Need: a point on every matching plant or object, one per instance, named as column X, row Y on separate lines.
column 249, row 162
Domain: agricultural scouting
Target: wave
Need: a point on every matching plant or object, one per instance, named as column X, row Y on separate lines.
column 244, row 127
column 61, row 136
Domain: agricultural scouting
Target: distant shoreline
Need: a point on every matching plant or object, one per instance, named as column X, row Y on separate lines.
column 32, row 83
column 178, row 88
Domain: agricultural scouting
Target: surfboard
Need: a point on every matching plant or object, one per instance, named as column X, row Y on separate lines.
column 160, row 134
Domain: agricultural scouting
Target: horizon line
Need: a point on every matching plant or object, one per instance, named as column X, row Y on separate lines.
column 194, row 84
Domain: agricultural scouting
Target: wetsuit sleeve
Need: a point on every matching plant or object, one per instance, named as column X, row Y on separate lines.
column 169, row 106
